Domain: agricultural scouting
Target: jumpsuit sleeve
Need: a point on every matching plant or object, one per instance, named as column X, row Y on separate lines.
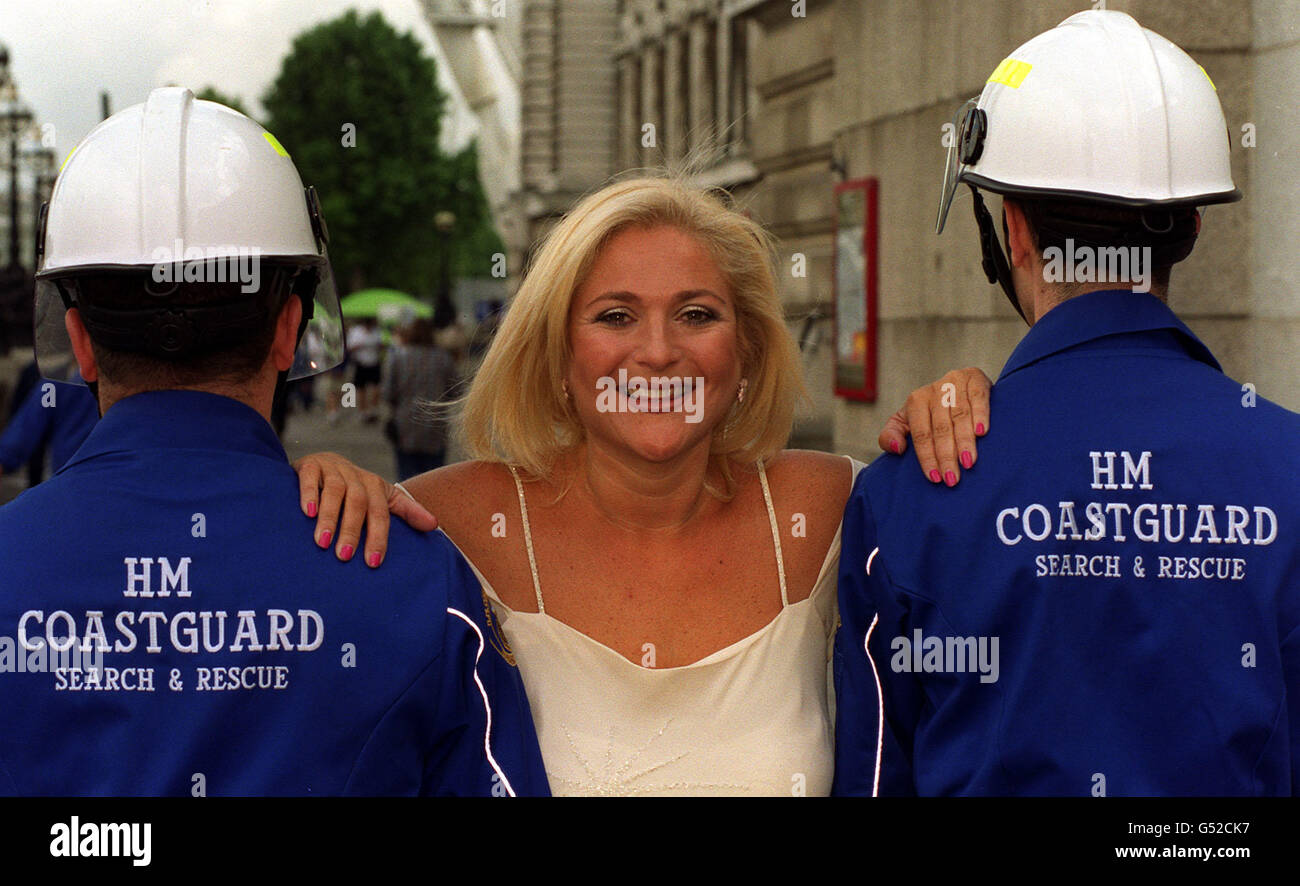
column 489, row 747
column 463, row 727
column 876, row 709
column 24, row 433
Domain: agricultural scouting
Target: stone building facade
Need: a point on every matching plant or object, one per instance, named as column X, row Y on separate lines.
column 781, row 100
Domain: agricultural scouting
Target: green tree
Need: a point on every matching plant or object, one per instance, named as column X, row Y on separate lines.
column 357, row 105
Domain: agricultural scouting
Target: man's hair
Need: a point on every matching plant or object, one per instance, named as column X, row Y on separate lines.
column 1170, row 232
column 234, row 357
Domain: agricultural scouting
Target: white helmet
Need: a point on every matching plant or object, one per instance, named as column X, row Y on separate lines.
column 172, row 191
column 1097, row 110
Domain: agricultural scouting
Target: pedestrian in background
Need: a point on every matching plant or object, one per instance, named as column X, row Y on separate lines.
column 54, row 413
column 365, row 342
column 416, row 375
column 28, row 379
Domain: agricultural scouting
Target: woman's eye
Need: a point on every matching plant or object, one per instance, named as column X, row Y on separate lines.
column 698, row 316
column 615, row 318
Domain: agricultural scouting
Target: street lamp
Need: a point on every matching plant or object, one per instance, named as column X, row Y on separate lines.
column 43, row 163
column 15, row 298
column 15, row 117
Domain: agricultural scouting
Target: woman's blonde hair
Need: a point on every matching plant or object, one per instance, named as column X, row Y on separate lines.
column 516, row 410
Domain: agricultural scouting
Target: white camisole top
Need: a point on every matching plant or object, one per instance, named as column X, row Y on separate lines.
column 755, row 718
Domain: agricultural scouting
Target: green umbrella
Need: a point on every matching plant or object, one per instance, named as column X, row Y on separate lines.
column 386, row 305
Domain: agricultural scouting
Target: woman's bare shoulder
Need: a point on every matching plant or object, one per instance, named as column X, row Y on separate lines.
column 814, row 477
column 471, row 488
column 474, row 501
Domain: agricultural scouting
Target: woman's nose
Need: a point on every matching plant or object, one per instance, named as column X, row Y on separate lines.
column 657, row 347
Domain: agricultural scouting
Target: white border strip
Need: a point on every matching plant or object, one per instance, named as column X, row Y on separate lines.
column 487, row 736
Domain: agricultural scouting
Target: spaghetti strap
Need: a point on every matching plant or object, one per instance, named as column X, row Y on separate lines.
column 776, row 533
column 528, row 540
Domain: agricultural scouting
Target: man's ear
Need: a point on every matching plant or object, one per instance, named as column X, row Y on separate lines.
column 285, row 342
column 1020, row 237
column 81, row 347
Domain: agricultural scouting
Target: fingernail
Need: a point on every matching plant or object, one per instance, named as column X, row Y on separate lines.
column 311, row 509
column 346, row 552
column 374, row 559
column 897, row 447
column 325, row 538
column 950, row 478
column 966, row 460
column 979, row 428
column 934, row 476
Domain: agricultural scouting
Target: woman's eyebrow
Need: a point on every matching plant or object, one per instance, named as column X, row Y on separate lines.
column 689, row 294
column 625, row 297
column 618, row 296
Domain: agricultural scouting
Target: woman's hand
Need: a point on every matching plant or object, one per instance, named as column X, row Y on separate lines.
column 328, row 482
column 943, row 419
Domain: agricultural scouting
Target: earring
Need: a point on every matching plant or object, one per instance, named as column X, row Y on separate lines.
column 740, row 391
column 565, row 385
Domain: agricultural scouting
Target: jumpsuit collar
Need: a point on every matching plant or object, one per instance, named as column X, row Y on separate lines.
column 1098, row 314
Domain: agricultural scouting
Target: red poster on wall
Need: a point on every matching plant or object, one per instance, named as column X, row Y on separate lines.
column 857, row 248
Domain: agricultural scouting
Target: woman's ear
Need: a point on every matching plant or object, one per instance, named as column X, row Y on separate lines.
column 81, row 346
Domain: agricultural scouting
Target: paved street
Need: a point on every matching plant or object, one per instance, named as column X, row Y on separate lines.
column 350, row 437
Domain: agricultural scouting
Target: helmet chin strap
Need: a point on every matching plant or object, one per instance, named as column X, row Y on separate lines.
column 93, row 387
column 996, row 267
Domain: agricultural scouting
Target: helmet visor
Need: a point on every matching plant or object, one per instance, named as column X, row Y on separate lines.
column 54, row 358
column 954, row 165
column 321, row 347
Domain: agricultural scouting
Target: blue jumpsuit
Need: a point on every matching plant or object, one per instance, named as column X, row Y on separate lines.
column 1107, row 604
column 66, row 412
column 169, row 627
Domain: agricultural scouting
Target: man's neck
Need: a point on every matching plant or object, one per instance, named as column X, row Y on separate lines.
column 1050, row 297
column 251, row 396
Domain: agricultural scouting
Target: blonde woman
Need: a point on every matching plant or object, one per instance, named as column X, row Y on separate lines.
column 663, row 570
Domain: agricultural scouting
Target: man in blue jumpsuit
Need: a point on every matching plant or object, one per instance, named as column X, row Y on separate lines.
column 1109, row 602
column 59, row 412
column 167, row 626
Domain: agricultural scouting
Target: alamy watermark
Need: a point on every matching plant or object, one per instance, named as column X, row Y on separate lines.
column 656, row 394
column 1105, row 264
column 212, row 264
column 57, row 656
column 919, row 654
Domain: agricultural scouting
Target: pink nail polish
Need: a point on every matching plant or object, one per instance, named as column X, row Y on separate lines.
column 966, row 460
column 325, row 538
column 897, row 447
column 950, row 478
column 346, row 552
column 374, row 559
column 979, row 428
column 934, row 476
column 311, row 509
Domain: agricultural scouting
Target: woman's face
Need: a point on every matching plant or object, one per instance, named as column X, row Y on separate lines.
column 653, row 331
